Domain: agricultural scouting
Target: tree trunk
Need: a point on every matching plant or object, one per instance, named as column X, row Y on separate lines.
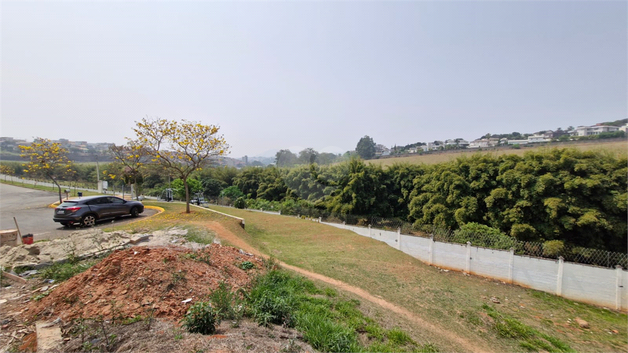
column 58, row 187
column 187, row 195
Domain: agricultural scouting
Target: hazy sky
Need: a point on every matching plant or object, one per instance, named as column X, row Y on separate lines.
column 315, row 74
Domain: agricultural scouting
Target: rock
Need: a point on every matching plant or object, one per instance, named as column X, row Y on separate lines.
column 43, row 289
column 495, row 300
column 582, row 323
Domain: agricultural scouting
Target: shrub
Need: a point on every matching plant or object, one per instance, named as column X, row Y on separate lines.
column 201, row 318
column 231, row 192
column 240, row 203
column 482, row 235
column 553, row 248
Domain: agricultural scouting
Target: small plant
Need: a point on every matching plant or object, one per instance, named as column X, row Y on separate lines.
column 201, row 318
column 226, row 303
column 246, row 265
column 41, row 296
column 399, row 337
column 270, row 264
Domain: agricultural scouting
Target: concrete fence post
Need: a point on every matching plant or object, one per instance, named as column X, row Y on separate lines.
column 559, row 277
column 511, row 264
column 467, row 267
column 399, row 238
column 619, row 288
column 370, row 235
column 344, row 224
column 430, row 252
column 320, row 219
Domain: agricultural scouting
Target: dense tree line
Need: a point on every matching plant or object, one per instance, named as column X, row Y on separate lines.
column 563, row 194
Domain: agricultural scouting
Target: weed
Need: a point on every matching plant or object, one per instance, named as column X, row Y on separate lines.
column 132, row 320
column 529, row 338
column 398, row 337
column 246, row 265
column 330, row 292
column 201, row 318
column 41, row 296
column 270, row 264
column 63, row 271
column 177, row 276
column 226, row 303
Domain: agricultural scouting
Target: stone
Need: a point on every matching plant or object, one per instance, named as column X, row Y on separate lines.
column 582, row 323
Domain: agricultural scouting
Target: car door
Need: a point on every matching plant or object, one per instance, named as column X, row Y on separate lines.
column 117, row 206
column 100, row 205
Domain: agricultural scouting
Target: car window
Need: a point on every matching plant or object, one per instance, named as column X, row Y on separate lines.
column 98, row 201
column 115, row 200
column 68, row 204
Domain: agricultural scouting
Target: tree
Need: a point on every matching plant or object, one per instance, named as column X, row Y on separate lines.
column 366, row 147
column 180, row 147
column 47, row 159
column 7, row 171
column 132, row 157
column 308, row 156
column 285, row 158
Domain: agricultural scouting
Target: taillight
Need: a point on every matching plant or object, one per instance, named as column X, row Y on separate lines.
column 72, row 209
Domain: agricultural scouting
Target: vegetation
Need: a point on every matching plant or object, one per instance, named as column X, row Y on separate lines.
column 366, row 147
column 179, row 147
column 47, row 159
column 446, row 299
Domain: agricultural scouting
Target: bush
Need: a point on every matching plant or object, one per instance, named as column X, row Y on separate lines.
column 201, row 318
column 484, row 236
column 553, row 248
column 231, row 192
column 240, row 203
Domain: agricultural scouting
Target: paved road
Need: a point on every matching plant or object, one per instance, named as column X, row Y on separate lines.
column 30, row 208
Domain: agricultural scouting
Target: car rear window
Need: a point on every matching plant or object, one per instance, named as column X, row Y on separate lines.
column 68, row 204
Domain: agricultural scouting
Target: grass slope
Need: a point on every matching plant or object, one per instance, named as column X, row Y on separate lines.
column 524, row 320
column 617, row 148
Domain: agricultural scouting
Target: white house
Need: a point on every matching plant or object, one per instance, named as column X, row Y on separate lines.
column 593, row 130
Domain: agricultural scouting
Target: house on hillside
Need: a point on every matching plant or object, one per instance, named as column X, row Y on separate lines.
column 593, row 130
column 484, row 143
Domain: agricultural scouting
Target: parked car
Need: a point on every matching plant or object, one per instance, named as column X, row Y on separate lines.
column 87, row 210
column 198, row 200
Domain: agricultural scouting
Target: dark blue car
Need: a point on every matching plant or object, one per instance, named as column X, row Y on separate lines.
column 87, row 210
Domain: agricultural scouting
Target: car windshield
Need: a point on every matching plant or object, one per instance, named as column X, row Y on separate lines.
column 68, row 204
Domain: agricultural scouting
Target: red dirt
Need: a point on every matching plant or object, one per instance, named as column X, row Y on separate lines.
column 136, row 281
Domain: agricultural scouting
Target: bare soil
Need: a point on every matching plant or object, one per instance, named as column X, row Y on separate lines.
column 154, row 283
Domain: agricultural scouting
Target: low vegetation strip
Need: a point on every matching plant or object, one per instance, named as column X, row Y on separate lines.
column 443, row 298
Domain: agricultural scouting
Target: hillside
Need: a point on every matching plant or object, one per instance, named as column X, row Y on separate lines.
column 615, row 147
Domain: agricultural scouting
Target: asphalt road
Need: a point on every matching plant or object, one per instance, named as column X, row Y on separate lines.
column 30, row 208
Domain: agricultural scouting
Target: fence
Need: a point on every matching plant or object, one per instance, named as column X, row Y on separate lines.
column 591, row 284
column 569, row 253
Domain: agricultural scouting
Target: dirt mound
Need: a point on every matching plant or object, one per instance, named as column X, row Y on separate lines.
column 142, row 280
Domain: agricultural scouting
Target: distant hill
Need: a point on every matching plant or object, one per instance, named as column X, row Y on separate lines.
column 621, row 122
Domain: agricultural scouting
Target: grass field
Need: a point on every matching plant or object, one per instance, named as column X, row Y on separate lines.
column 524, row 320
column 614, row 147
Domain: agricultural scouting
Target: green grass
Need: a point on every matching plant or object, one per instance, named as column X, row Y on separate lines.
column 328, row 323
column 60, row 272
column 614, row 147
column 438, row 297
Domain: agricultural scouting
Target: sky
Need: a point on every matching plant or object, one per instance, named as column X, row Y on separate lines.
column 320, row 74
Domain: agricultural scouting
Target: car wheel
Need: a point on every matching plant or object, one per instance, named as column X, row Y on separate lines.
column 89, row 221
column 134, row 212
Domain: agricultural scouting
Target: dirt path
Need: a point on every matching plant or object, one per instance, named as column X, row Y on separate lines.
column 226, row 235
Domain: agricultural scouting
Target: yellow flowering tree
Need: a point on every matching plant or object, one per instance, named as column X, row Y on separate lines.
column 47, row 159
column 6, row 170
column 180, row 147
column 132, row 158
